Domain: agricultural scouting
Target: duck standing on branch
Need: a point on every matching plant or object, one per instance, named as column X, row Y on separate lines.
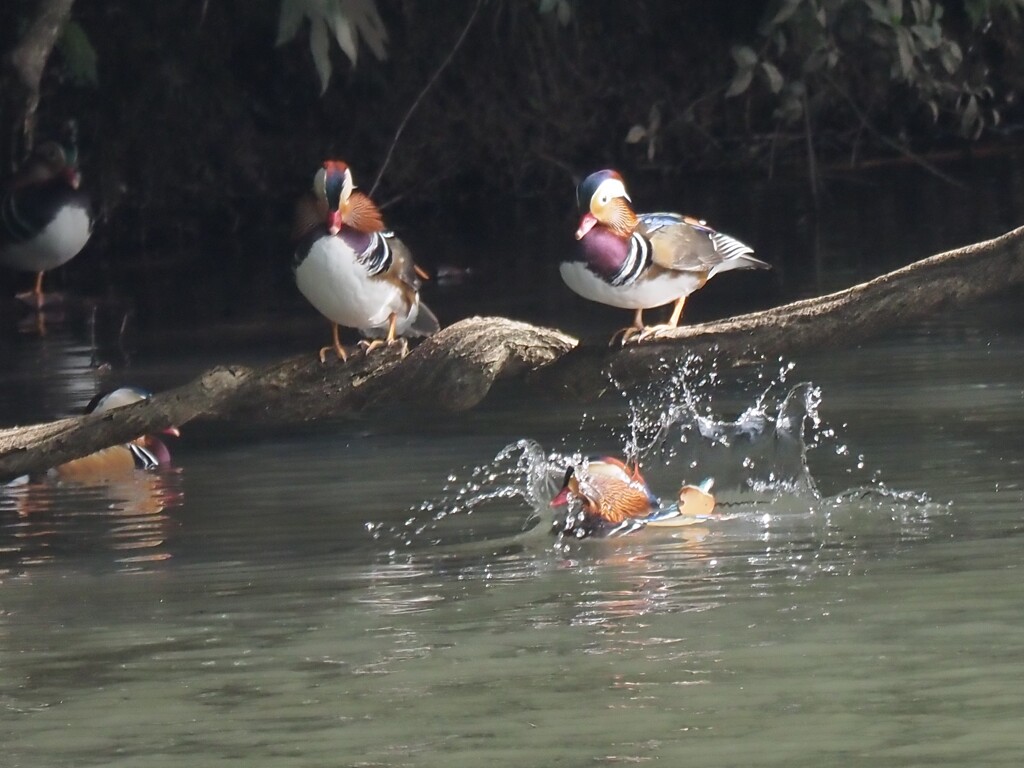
column 639, row 261
column 352, row 269
column 44, row 215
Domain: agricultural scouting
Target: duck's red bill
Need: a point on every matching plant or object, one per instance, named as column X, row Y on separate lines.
column 561, row 499
column 586, row 224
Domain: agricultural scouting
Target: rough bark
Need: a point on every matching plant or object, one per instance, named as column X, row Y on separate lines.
column 456, row 368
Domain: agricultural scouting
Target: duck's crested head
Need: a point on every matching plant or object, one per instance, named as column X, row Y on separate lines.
column 333, row 184
column 570, row 487
column 602, row 198
column 56, row 158
column 603, row 186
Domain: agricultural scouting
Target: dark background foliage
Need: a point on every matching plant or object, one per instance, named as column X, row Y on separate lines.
column 199, row 132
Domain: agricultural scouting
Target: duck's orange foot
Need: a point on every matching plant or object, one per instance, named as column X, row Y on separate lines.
column 656, row 332
column 696, row 501
column 369, row 346
column 338, row 350
column 627, row 335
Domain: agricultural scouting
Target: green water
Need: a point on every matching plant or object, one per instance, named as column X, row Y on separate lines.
column 276, row 600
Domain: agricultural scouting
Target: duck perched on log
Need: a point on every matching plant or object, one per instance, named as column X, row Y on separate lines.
column 352, row 269
column 639, row 261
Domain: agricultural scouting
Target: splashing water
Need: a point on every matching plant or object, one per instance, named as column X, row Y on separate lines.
column 677, row 430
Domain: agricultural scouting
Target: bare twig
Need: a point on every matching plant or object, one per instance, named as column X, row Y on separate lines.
column 422, row 93
column 892, row 143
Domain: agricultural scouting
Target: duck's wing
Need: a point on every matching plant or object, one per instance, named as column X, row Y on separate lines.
column 685, row 244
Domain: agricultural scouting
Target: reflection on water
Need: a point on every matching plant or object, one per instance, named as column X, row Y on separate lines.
column 129, row 517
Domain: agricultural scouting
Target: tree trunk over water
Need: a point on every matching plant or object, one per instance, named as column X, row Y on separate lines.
column 456, row 368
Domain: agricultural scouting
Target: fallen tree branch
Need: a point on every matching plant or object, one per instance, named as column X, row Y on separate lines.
column 456, row 368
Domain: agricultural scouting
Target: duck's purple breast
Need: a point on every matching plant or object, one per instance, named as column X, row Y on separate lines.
column 604, row 251
column 356, row 240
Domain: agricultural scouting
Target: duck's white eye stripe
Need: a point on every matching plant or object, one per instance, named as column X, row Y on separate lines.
column 611, row 188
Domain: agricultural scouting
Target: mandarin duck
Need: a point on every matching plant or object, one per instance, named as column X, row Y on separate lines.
column 45, row 219
column 639, row 261
column 614, row 498
column 145, row 452
column 352, row 269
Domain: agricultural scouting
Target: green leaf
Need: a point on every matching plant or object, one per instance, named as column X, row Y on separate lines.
column 787, row 9
column 930, row 35
column 951, row 56
column 636, row 134
column 654, row 119
column 780, row 43
column 879, row 12
column 970, row 119
column 318, row 45
column 345, row 20
column 564, row 13
column 79, row 55
column 904, row 45
column 977, row 12
column 367, row 22
column 344, row 32
column 744, row 56
column 740, row 82
column 290, row 19
column 775, row 78
column 791, row 103
column 924, row 11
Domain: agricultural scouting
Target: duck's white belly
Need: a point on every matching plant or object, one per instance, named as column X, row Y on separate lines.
column 59, row 242
column 643, row 294
column 338, row 286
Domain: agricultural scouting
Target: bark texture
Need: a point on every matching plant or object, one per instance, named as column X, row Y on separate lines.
column 456, row 368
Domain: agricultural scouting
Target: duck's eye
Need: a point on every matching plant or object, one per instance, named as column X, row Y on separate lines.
column 603, row 200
